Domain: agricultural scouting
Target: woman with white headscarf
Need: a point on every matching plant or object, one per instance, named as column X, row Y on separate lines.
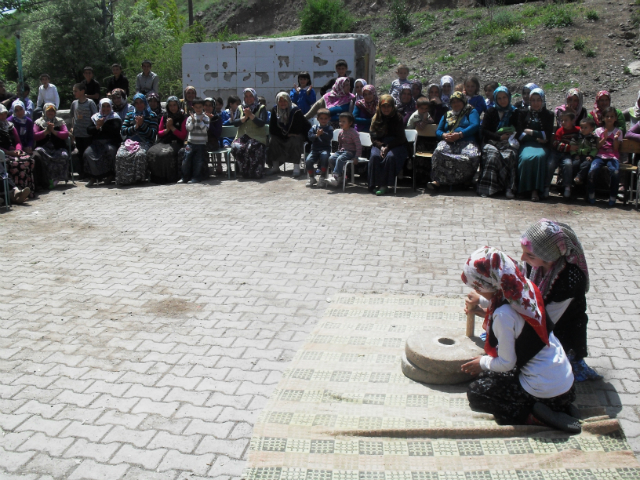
column 100, row 157
column 288, row 131
column 20, row 166
column 250, row 145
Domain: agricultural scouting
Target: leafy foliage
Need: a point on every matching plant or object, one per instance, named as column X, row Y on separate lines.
column 400, row 19
column 325, row 16
column 8, row 60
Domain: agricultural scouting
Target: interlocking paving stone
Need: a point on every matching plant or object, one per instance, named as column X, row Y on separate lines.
column 142, row 329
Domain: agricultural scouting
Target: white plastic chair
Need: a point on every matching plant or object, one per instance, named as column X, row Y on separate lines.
column 230, row 132
column 365, row 140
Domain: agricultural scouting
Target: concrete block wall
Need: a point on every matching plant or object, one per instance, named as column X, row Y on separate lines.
column 272, row 65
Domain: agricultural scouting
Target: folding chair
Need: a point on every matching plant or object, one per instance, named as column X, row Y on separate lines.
column 227, row 132
column 5, row 181
column 412, row 137
column 69, row 145
column 429, row 132
column 631, row 147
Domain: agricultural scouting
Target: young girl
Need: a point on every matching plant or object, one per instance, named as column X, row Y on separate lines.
column 359, row 87
column 407, row 104
column 525, row 376
column 365, row 108
column 219, row 105
column 23, row 124
column 438, row 109
column 446, row 89
column 610, row 140
column 472, row 91
column 526, row 92
column 302, row 93
column 232, row 113
column 489, row 88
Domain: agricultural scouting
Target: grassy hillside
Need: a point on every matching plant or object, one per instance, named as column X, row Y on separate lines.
column 586, row 44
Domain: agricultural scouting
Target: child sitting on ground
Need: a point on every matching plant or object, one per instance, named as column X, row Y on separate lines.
column 472, row 91
column 566, row 134
column 198, row 128
column 320, row 137
column 525, row 378
column 349, row 148
column 302, row 93
column 397, row 84
column 584, row 148
column 489, row 88
column 608, row 154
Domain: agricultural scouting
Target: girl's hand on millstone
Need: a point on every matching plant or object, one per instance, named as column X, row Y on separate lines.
column 473, row 367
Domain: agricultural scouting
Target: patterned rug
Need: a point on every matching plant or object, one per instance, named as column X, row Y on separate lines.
column 345, row 411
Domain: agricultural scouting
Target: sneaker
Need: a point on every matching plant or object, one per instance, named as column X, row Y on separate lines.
column 193, row 180
column 510, row 194
column 567, row 192
column 333, row 181
column 612, row 201
column 382, row 191
column 20, row 196
column 322, row 183
column 273, row 171
column 558, row 420
column 296, row 170
column 312, row 181
column 535, row 197
column 181, row 180
column 90, row 183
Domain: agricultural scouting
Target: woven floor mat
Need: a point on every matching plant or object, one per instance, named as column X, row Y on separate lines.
column 345, row 411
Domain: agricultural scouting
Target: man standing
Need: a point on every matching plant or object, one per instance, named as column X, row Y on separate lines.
column 147, row 81
column 92, row 90
column 118, row 80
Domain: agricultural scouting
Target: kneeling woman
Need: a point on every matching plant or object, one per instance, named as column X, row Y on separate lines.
column 100, row 157
column 163, row 158
column 525, row 377
column 389, row 151
column 457, row 156
column 558, row 267
column 139, row 130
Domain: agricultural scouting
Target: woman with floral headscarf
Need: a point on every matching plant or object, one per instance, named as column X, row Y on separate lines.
column 100, row 157
column 365, row 108
column 139, row 131
column 51, row 155
column 573, row 103
column 526, row 93
column 525, row 376
column 165, row 157
column 603, row 101
column 535, row 133
column 20, row 166
column 249, row 147
column 557, row 265
column 500, row 168
column 456, row 158
column 337, row 100
column 438, row 109
column 389, row 151
column 288, row 131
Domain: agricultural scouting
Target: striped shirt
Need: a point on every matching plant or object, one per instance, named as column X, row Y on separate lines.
column 198, row 129
column 349, row 140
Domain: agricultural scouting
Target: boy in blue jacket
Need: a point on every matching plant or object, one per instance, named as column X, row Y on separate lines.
column 320, row 137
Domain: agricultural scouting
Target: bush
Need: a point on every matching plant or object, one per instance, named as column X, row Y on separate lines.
column 400, row 20
column 592, row 15
column 559, row 45
column 325, row 16
column 558, row 16
column 579, row 44
column 590, row 53
column 513, row 37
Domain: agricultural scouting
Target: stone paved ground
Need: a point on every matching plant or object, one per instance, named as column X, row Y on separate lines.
column 142, row 329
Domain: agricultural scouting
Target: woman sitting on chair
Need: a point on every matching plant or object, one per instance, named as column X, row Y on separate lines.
column 51, row 155
column 288, row 133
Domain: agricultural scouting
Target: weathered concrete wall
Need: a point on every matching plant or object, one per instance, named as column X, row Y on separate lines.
column 272, row 65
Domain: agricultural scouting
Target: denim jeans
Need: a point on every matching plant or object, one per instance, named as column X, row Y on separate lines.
column 583, row 171
column 339, row 159
column 614, row 169
column 192, row 164
column 319, row 157
column 568, row 167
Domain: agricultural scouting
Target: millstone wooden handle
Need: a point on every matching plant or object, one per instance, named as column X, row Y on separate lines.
column 471, row 324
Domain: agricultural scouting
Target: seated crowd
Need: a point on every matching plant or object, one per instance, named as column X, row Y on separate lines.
column 514, row 149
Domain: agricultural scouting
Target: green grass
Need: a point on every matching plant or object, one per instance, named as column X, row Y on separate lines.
column 512, row 37
column 626, row 71
column 413, row 43
column 635, row 17
column 590, row 53
column 528, row 60
column 522, row 72
column 560, row 86
column 388, row 62
column 579, row 44
column 558, row 45
column 511, row 56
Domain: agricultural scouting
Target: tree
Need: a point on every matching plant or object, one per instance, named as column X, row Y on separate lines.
column 68, row 38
